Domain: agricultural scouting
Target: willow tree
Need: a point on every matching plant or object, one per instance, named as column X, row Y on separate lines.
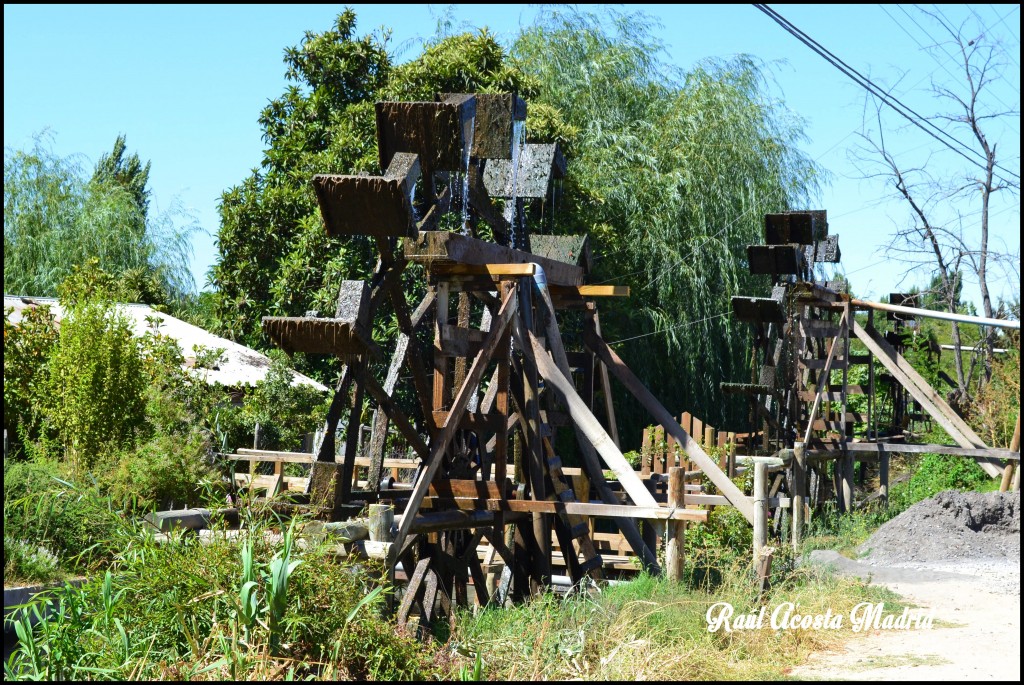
column 671, row 173
column 57, row 217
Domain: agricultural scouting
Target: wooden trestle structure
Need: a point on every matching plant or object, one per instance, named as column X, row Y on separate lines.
column 803, row 335
column 492, row 382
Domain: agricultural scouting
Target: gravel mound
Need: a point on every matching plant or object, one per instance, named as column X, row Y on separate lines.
column 951, row 526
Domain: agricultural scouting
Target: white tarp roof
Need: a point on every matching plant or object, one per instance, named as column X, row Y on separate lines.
column 238, row 365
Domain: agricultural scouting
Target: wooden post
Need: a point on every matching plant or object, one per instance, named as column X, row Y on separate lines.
column 709, row 437
column 799, row 493
column 645, row 453
column 1014, row 447
column 764, row 568
column 382, row 519
column 883, row 478
column 675, row 530
column 732, row 456
column 760, row 508
column 658, row 453
column 606, row 386
column 723, row 448
column 581, row 484
column 257, row 440
column 872, row 431
column 442, row 390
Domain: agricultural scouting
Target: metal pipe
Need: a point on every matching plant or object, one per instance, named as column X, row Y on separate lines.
column 997, row 350
column 932, row 314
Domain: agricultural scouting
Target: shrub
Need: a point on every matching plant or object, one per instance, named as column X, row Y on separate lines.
column 285, row 412
column 77, row 524
column 996, row 408
column 25, row 561
column 94, row 393
column 221, row 610
column 27, row 348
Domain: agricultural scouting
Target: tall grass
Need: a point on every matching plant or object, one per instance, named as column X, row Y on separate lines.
column 652, row 628
column 256, row 605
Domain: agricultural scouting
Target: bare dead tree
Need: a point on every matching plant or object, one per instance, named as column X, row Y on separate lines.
column 941, row 236
column 980, row 64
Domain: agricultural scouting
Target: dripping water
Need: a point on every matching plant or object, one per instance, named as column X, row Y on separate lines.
column 464, row 180
column 518, row 138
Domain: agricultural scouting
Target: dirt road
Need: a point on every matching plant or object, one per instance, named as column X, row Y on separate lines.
column 976, row 633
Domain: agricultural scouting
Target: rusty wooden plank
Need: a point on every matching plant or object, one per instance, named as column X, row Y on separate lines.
column 440, row 247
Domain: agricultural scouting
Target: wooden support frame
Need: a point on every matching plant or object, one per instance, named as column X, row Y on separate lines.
column 930, row 400
column 440, row 443
column 663, row 417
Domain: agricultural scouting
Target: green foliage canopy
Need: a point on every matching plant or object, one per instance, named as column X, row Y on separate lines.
column 669, row 172
column 55, row 218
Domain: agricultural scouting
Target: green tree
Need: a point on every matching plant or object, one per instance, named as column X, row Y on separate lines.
column 55, row 218
column 95, row 388
column 671, row 174
column 127, row 171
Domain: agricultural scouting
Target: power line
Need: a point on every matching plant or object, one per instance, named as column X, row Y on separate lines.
column 867, row 84
column 1002, row 20
column 671, row 328
column 986, row 29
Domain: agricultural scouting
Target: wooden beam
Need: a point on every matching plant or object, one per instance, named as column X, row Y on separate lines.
column 929, row 400
column 664, row 418
column 606, row 386
column 582, row 291
column 599, row 510
column 445, row 270
column 414, row 357
column 457, row 341
column 394, row 413
column 439, row 444
column 902, row 448
column 440, row 247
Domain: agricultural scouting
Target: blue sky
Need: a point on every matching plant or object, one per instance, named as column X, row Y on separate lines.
column 186, row 85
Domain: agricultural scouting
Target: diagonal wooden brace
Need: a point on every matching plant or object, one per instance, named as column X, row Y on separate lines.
column 663, row 417
column 439, row 444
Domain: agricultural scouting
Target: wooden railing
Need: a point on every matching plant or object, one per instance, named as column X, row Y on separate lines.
column 659, row 451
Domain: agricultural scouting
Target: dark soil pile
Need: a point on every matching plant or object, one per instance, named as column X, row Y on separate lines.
column 950, row 526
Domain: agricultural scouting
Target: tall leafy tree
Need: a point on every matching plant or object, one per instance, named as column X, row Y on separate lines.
column 56, row 217
column 671, row 173
column 128, row 171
